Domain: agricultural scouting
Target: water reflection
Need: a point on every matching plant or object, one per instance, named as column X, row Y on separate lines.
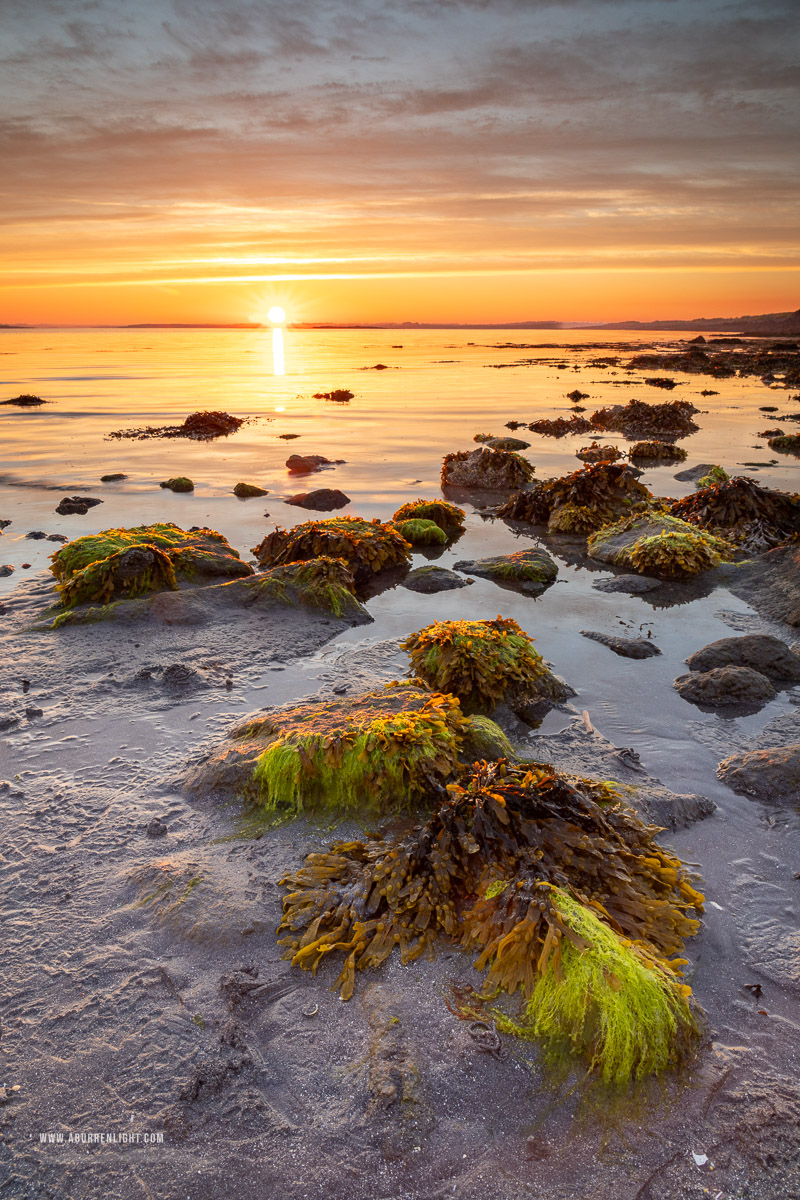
column 278, row 363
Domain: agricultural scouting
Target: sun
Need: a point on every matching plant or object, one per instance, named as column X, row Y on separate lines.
column 276, row 315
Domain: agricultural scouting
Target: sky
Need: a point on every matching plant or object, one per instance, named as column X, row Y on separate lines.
column 392, row 160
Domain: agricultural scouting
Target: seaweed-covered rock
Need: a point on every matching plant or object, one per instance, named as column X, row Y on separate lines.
column 759, row 651
column 788, row 444
column 772, row 775
column 373, row 753
column 528, row 571
column 755, row 517
column 507, row 443
column 597, row 453
column 320, row 500
column 430, row 579
column 114, row 477
column 581, row 501
column 447, row 516
column 562, row 893
column 179, row 484
column 561, row 426
column 368, row 546
column 422, row 533
column 486, row 469
column 483, row 663
column 713, row 477
column 26, row 400
column 338, row 395
column 325, row 583
column 660, row 381
column 658, row 452
column 247, row 490
column 637, row 419
column 198, row 426
column 723, row 686
column 660, row 545
column 76, row 505
column 625, row 647
column 132, row 562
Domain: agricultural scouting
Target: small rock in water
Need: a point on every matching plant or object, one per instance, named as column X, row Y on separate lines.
column 6, row 570
column 766, row 774
column 36, row 535
column 625, row 647
column 57, row 537
column 322, row 500
column 179, row 484
column 429, row 579
column 116, row 477
column 304, row 464
column 722, row 686
column 76, row 505
column 245, row 490
column 633, row 585
column 155, row 828
column 692, row 474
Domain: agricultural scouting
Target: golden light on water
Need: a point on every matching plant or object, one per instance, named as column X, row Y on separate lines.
column 276, row 315
column 278, row 363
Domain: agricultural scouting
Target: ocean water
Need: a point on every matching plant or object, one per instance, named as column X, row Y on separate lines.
column 438, row 390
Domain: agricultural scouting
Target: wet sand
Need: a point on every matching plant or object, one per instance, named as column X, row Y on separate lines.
column 143, row 989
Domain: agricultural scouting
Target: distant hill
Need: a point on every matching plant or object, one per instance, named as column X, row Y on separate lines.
column 768, row 324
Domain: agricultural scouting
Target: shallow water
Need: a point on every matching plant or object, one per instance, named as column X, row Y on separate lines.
column 102, row 760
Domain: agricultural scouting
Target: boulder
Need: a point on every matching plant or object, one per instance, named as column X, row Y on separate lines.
column 722, row 686
column 772, row 774
column 486, row 469
column 321, row 500
column 76, row 505
column 528, row 571
column 761, row 652
column 625, row 647
column 179, row 484
column 245, row 490
column 304, row 464
column 430, row 579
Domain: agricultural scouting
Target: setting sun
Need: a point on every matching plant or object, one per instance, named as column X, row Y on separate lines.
column 276, row 315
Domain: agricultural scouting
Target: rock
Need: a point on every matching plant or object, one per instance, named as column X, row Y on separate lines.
column 507, row 443
column 179, row 678
column 429, row 579
column 304, row 464
column 625, row 647
column 33, row 711
column 245, row 490
column 6, row 570
column 761, row 652
column 179, row 484
column 772, row 584
column 528, row 571
column 36, row 535
column 25, row 401
column 57, row 537
column 772, row 774
column 288, row 437
column 486, row 469
column 117, row 477
column 632, row 585
column 725, row 685
column 577, row 396
column 339, row 395
column 4, row 524
column 697, row 341
column 199, row 426
column 76, row 505
column 321, row 500
column 661, row 381
column 155, row 828
column 637, row 419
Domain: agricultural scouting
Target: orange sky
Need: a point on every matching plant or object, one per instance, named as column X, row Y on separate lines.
column 366, row 160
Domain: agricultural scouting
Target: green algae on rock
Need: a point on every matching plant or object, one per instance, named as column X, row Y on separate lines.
column 448, row 517
column 482, row 663
column 374, row 753
column 788, row 444
column 592, row 496
column 325, row 583
column 179, row 484
column 367, row 546
column 660, row 545
column 716, row 475
column 528, row 571
column 422, row 533
column 126, row 563
column 245, row 490
column 551, row 880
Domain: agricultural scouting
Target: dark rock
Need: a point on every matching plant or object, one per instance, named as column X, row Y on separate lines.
column 179, row 484
column 25, row 401
column 36, row 535
column 4, row 524
column 321, row 500
column 661, row 381
column 117, row 477
column 76, row 505
column 288, row 437
column 772, row 584
column 245, row 490
column 527, row 571
column 698, row 341
column 155, row 828
column 625, row 647
column 772, row 774
column 339, row 395
column 199, row 426
column 692, row 474
column 304, row 464
column 33, row 711
column 6, row 570
column 576, row 396
column 428, row 580
column 632, row 585
column 57, row 537
column 507, row 443
column 761, row 652
column 725, row 685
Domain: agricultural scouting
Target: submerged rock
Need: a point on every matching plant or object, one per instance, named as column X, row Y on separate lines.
column 430, row 579
column 245, row 490
column 771, row 775
column 338, row 395
column 631, row 585
column 625, row 647
column 321, row 500
column 304, row 464
column 759, row 651
column 528, row 571
column 507, row 443
column 179, row 484
column 725, row 685
column 115, row 477
column 486, row 469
